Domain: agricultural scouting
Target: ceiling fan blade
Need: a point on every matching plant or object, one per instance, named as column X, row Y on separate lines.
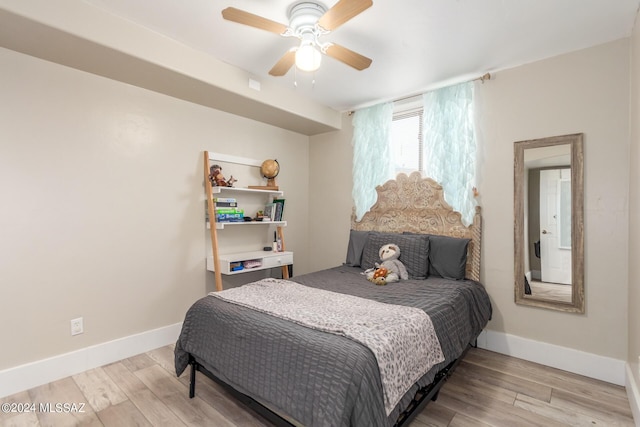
column 348, row 56
column 246, row 18
column 343, row 11
column 284, row 64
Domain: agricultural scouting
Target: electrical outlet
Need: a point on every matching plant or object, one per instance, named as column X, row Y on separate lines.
column 76, row 326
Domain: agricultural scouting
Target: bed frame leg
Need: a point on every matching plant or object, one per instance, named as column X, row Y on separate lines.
column 192, row 377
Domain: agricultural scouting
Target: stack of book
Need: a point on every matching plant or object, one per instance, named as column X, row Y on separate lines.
column 274, row 210
column 227, row 210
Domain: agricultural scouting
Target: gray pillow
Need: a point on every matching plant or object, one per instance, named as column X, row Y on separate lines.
column 357, row 240
column 447, row 256
column 414, row 251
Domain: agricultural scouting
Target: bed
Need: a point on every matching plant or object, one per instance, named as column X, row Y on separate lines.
column 296, row 374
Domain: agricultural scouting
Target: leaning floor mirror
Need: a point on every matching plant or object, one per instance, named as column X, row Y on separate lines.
column 549, row 227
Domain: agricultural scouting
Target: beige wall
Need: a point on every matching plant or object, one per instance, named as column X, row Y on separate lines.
column 330, row 183
column 85, row 37
column 102, row 204
column 585, row 91
column 634, row 208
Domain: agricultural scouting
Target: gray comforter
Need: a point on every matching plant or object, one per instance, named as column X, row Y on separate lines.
column 314, row 377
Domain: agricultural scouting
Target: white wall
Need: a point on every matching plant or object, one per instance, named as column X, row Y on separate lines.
column 102, row 208
column 585, row 91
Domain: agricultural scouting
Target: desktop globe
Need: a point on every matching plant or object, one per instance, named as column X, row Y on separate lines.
column 270, row 169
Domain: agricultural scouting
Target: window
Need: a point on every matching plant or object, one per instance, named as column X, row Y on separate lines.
column 388, row 139
column 406, row 140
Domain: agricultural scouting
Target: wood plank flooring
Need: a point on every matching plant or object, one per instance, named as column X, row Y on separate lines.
column 550, row 291
column 487, row 389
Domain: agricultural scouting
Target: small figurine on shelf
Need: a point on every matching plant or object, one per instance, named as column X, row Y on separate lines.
column 217, row 178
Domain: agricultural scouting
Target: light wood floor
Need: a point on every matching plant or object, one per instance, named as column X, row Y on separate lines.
column 487, row 389
column 550, row 291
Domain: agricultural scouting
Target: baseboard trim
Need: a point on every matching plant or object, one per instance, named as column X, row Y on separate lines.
column 633, row 393
column 568, row 359
column 23, row 377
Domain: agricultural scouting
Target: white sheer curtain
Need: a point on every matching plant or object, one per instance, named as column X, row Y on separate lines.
column 372, row 162
column 450, row 145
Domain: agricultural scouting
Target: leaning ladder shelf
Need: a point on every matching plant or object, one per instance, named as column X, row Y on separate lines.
column 282, row 259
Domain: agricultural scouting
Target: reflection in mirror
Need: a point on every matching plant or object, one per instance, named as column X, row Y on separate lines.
column 548, row 189
column 547, row 253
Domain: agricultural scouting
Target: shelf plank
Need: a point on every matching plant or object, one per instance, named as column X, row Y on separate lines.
column 219, row 190
column 222, row 225
column 269, row 260
column 213, row 157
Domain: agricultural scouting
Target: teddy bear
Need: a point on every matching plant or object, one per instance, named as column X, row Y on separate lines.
column 391, row 269
column 217, row 178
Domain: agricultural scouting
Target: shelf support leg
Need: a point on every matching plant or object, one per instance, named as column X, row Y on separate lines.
column 212, row 223
column 285, row 268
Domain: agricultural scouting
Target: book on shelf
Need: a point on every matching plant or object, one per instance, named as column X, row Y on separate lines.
column 219, row 205
column 279, row 209
column 229, row 215
column 229, row 210
column 225, row 204
column 270, row 211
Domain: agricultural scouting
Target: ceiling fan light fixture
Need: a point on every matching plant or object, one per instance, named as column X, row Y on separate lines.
column 308, row 58
column 309, row 20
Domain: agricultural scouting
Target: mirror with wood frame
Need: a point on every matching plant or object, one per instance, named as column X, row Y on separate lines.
column 549, row 223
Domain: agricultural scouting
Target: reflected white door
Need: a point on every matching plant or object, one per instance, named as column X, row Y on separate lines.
column 555, row 255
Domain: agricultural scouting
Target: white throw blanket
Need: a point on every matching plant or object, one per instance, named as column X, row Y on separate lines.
column 402, row 338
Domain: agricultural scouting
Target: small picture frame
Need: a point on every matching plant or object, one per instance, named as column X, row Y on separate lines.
column 270, row 211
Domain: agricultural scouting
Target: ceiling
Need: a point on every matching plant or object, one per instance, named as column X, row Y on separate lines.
column 416, row 45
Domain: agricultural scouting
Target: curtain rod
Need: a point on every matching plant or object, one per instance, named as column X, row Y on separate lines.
column 482, row 78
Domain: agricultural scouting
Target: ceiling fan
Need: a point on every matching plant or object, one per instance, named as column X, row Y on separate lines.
column 308, row 21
